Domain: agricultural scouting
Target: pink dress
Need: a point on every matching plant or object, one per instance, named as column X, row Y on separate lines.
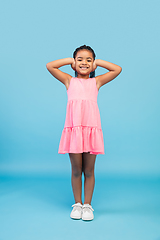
column 82, row 130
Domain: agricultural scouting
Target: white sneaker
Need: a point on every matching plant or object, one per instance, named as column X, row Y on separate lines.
column 77, row 211
column 87, row 212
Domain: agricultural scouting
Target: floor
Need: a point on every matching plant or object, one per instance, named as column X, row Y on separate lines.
column 37, row 207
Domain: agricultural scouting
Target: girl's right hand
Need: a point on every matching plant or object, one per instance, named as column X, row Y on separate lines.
column 73, row 65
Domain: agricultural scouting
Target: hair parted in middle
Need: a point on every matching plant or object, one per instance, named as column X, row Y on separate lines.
column 84, row 47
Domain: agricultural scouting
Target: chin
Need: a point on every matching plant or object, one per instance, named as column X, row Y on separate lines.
column 84, row 73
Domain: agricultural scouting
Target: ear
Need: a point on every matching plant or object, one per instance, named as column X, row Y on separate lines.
column 94, row 66
column 73, row 65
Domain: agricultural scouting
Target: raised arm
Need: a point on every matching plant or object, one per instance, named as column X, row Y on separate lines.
column 114, row 71
column 61, row 76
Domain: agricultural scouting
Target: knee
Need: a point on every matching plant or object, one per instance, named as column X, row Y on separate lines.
column 77, row 172
column 88, row 173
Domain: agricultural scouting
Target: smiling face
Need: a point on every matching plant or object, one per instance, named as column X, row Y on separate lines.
column 84, row 63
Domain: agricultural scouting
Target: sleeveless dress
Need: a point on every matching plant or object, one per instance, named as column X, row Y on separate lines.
column 82, row 129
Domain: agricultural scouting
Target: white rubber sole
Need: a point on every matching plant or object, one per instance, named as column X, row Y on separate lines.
column 77, row 218
column 87, row 219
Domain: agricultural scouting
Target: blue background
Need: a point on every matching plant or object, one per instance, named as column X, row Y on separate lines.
column 33, row 102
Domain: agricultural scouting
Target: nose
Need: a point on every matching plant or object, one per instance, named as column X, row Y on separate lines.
column 84, row 61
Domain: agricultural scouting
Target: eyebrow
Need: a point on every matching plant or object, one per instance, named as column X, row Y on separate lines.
column 87, row 57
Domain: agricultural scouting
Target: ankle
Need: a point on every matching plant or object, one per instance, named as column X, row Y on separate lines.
column 79, row 202
column 87, row 203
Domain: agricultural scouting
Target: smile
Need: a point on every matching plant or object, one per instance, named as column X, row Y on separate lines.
column 84, row 67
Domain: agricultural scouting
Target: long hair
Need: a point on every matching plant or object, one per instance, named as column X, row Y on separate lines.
column 92, row 74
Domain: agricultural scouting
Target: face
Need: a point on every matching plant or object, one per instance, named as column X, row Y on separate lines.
column 84, row 62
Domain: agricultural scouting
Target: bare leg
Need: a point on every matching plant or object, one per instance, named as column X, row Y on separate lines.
column 88, row 163
column 76, row 162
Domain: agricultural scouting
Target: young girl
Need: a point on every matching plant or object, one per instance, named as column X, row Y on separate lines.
column 82, row 136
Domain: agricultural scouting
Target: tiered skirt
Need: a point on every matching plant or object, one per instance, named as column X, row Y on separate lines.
column 82, row 131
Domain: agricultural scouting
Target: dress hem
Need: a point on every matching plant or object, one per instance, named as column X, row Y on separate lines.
column 81, row 139
column 91, row 152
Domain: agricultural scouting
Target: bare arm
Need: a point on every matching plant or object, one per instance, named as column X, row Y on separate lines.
column 61, row 76
column 114, row 71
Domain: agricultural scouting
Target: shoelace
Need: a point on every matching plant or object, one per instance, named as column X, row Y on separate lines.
column 87, row 206
column 77, row 205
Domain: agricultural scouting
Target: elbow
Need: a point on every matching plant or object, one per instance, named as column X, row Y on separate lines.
column 47, row 65
column 119, row 70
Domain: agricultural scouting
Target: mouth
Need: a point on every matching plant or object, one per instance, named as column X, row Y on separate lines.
column 83, row 68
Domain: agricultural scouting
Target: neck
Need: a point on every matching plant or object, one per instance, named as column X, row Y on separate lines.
column 83, row 76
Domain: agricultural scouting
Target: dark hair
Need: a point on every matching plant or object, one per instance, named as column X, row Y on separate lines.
column 92, row 74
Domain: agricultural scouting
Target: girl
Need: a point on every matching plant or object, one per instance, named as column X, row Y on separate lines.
column 82, row 135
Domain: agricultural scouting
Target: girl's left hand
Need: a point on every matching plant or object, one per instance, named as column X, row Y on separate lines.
column 94, row 65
